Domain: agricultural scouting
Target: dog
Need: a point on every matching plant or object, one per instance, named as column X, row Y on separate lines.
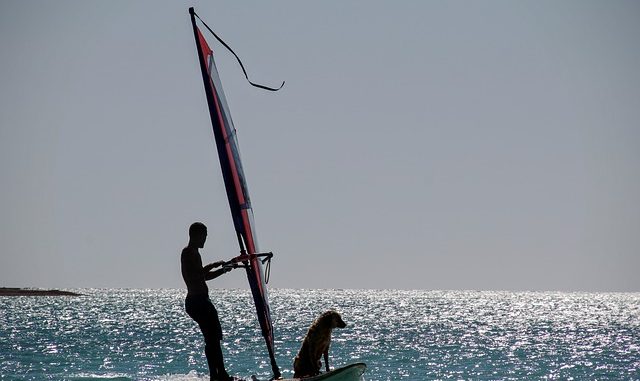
column 316, row 344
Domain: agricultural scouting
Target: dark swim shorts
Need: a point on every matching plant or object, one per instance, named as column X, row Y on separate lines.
column 200, row 309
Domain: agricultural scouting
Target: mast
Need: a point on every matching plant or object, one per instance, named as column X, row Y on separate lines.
column 236, row 187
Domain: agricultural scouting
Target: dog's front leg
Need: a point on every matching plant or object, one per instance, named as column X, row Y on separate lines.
column 326, row 359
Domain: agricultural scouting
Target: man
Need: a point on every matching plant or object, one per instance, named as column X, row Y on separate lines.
column 198, row 304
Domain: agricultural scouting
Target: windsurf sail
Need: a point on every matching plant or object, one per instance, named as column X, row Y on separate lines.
column 236, row 187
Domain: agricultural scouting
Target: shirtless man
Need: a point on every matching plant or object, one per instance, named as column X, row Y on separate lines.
column 197, row 303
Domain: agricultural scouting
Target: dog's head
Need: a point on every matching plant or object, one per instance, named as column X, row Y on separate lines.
column 333, row 319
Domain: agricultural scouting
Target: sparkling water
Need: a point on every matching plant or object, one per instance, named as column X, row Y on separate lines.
column 121, row 334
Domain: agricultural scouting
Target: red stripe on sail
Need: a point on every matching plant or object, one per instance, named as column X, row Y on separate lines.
column 206, row 50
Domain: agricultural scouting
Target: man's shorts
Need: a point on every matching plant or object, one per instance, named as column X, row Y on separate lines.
column 200, row 309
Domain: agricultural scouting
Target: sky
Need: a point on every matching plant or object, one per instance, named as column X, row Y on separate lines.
column 435, row 145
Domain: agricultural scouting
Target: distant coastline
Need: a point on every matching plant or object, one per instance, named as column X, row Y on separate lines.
column 11, row 291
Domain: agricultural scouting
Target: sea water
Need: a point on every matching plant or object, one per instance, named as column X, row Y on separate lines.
column 118, row 334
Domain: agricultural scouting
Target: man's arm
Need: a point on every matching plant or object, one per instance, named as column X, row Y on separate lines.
column 211, row 266
column 208, row 275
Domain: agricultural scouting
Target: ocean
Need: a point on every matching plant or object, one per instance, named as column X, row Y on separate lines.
column 127, row 334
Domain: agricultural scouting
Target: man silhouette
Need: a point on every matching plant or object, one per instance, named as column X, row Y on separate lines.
column 197, row 303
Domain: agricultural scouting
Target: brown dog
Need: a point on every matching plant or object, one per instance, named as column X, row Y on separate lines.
column 316, row 343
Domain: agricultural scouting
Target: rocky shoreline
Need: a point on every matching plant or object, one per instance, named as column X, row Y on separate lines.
column 9, row 291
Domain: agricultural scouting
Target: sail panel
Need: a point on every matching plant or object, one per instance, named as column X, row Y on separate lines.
column 236, row 186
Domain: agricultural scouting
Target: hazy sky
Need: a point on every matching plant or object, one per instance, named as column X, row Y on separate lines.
column 490, row 145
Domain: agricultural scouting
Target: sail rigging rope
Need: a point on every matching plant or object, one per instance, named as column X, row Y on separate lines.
column 267, row 269
column 238, row 58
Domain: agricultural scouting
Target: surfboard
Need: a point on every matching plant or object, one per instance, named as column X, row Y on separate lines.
column 350, row 372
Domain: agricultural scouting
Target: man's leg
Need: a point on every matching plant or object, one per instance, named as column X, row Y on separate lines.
column 215, row 359
column 207, row 318
column 213, row 352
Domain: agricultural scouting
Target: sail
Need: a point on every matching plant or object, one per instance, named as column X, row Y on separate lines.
column 236, row 186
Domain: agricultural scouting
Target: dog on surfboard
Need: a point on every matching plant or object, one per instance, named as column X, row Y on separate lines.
column 316, row 344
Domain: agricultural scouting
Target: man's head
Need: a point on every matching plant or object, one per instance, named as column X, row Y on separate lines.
column 197, row 234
